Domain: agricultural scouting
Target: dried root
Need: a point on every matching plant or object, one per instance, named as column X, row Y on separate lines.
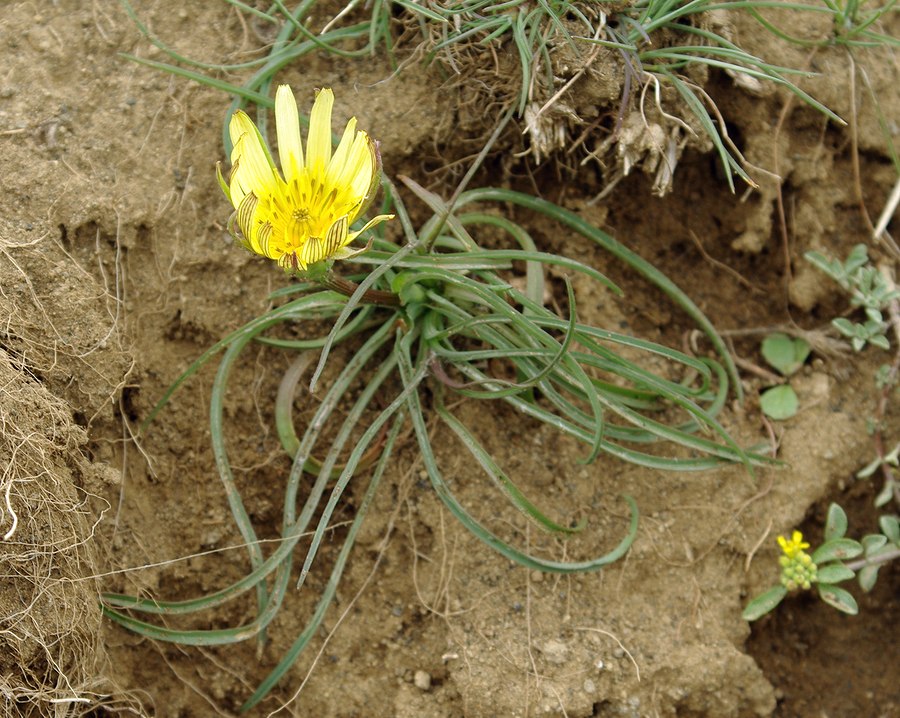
column 51, row 655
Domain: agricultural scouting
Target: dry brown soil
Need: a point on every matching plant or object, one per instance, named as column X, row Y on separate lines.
column 116, row 272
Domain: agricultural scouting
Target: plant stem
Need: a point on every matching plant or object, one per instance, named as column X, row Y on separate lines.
column 370, row 296
column 873, row 561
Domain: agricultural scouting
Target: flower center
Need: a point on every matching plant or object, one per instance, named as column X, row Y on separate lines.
column 298, row 227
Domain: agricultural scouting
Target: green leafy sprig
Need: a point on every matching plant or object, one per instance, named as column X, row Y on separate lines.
column 830, row 564
column 869, row 290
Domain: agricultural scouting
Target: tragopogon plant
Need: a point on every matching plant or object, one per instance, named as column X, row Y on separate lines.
column 434, row 318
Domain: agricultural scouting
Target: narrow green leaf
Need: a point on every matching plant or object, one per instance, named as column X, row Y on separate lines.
column 868, row 576
column 836, row 523
column 499, row 477
column 621, row 252
column 834, row 573
column 838, row 598
column 890, row 525
column 328, row 592
column 839, row 549
column 256, row 98
column 470, row 522
column 765, row 602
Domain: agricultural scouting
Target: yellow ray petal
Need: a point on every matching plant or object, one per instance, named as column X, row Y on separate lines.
column 246, row 213
column 315, row 250
column 368, row 225
column 241, row 124
column 365, row 181
column 339, row 160
column 251, row 165
column 287, row 126
column 318, row 144
column 262, row 241
column 356, row 173
column 337, row 236
column 236, row 191
column 236, row 127
column 374, row 174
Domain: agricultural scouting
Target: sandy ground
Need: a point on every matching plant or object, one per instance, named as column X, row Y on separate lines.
column 116, row 272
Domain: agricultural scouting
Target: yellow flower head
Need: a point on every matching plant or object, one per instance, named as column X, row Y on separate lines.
column 795, row 546
column 797, row 568
column 303, row 214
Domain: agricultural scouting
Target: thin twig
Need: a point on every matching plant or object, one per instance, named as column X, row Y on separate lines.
column 637, row 669
column 779, row 196
column 885, row 217
column 756, row 546
column 889, row 384
column 715, row 262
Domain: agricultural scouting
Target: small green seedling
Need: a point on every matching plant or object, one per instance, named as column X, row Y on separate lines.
column 786, row 355
column 869, row 290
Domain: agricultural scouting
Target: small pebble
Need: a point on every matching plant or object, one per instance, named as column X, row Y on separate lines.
column 422, row 680
column 589, row 686
column 555, row 651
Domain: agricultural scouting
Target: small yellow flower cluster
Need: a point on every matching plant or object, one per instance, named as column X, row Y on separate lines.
column 797, row 568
